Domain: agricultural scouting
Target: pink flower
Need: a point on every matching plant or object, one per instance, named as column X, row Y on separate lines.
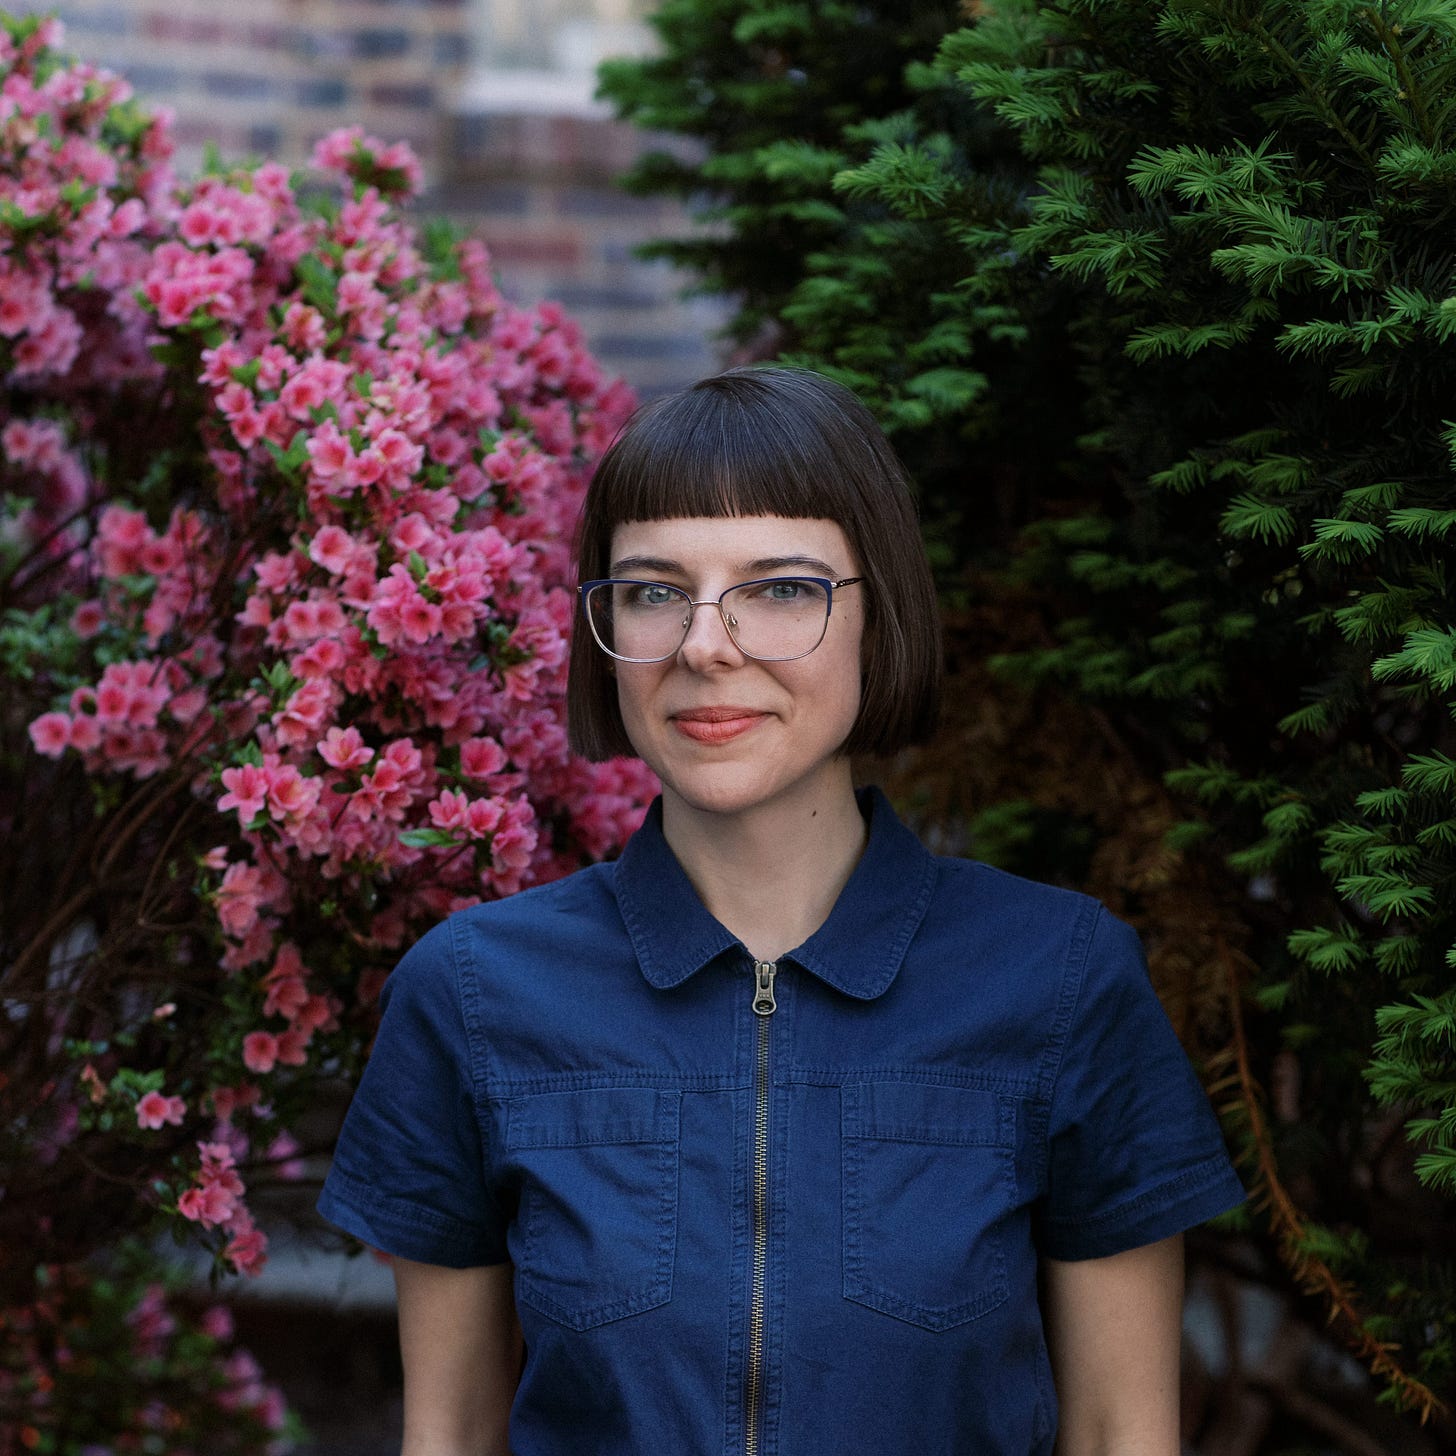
column 88, row 619
column 210, row 1204
column 248, row 1250
column 513, row 844
column 185, row 707
column 481, row 757
column 332, row 548
column 316, row 1013
column 290, row 795
column 227, row 1100
column 292, row 1047
column 85, row 733
column 260, row 1052
column 419, row 620
column 449, row 810
column 329, row 451
column 239, row 898
column 484, row 817
column 247, row 792
column 286, row 997
column 277, row 571
column 51, row 734
column 304, row 328
column 154, row 1111
column 299, row 720
column 344, row 749
column 323, row 658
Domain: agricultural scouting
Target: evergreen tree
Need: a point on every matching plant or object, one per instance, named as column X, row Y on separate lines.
column 768, row 86
column 1225, row 295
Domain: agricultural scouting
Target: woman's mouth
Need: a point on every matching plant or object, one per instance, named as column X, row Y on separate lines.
column 716, row 725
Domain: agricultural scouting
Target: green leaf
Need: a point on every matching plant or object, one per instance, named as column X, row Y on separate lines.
column 429, row 838
column 1311, row 718
column 1430, row 773
column 1288, row 821
column 1429, row 652
column 1247, row 515
column 1421, row 522
column 319, row 282
column 1359, row 536
column 1386, row 803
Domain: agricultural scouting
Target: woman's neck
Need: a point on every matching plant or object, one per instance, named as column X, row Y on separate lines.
column 771, row 874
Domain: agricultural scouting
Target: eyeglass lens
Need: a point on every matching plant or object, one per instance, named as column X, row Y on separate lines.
column 647, row 622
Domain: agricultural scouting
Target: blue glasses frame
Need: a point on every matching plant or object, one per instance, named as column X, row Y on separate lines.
column 587, row 587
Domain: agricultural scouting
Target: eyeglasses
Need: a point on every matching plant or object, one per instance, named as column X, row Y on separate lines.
column 773, row 619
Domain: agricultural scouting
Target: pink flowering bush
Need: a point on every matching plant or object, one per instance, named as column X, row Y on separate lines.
column 284, row 610
column 120, row 1363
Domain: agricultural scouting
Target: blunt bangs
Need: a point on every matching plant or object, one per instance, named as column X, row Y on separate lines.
column 771, row 441
column 727, row 446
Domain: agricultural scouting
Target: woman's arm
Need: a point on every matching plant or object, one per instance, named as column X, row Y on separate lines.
column 1114, row 1329
column 461, row 1348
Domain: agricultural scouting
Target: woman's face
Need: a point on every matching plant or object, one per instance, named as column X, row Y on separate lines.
column 727, row 733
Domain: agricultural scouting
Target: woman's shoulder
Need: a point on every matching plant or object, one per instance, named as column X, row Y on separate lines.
column 536, row 924
column 1026, row 932
column 973, row 886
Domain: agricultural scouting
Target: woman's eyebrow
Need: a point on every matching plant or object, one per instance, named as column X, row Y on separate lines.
column 627, row 565
column 762, row 566
column 766, row 564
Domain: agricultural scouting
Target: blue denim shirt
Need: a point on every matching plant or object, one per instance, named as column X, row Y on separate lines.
column 791, row 1209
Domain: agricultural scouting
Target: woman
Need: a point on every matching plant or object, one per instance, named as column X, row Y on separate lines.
column 779, row 1134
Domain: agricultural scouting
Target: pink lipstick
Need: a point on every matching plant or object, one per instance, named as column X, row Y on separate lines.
column 716, row 725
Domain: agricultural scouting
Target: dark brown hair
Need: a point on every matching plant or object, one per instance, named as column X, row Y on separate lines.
column 771, row 441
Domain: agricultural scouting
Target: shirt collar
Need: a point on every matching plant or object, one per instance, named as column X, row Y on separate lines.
column 858, row 949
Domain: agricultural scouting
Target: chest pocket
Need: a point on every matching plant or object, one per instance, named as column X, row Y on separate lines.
column 928, row 1188
column 597, row 1226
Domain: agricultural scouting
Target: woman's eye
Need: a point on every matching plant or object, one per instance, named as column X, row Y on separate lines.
column 784, row 591
column 652, row 596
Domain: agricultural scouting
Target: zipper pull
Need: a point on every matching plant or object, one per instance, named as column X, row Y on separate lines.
column 763, row 996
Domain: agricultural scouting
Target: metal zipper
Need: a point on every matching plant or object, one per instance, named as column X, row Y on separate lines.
column 764, row 1006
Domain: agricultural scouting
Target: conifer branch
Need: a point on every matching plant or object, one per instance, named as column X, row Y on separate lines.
column 1389, row 37
column 1312, row 1273
column 1331, row 117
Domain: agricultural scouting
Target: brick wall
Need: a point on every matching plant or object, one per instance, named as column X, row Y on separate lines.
column 267, row 78
column 540, row 190
column 271, row 76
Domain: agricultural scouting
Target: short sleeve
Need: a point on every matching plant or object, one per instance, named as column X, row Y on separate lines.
column 408, row 1174
column 1134, row 1150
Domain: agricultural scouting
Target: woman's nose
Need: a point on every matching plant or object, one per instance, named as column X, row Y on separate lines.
column 708, row 640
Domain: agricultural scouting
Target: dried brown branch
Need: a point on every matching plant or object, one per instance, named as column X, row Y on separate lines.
column 1288, row 1224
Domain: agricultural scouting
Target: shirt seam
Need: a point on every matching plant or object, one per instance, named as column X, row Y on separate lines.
column 1164, row 1196
column 1162, row 1199
column 641, row 934
column 815, row 1076
column 478, row 1070
column 910, row 923
column 365, row 1197
column 1074, row 980
column 507, row 1088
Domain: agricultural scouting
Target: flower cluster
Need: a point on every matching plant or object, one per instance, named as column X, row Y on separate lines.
column 85, row 190
column 71, row 1364
column 289, row 592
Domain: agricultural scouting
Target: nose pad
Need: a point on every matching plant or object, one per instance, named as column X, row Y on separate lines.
column 720, row 645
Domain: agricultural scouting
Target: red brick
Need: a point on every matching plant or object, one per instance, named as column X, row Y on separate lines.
column 548, row 250
column 188, row 29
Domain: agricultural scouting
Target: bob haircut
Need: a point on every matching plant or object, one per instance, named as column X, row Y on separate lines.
column 771, row 441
